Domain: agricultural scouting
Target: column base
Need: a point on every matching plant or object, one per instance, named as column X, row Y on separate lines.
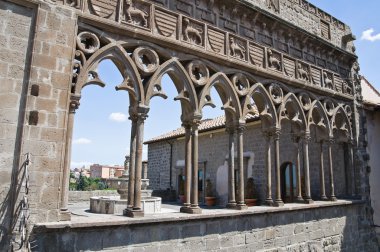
column 333, row 198
column 299, row 200
column 231, row 205
column 129, row 212
column 191, row 210
column 269, row 202
column 241, row 206
column 308, row 201
column 64, row 215
column 324, row 198
column 278, row 203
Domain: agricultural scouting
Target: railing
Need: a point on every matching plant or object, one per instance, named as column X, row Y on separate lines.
column 24, row 211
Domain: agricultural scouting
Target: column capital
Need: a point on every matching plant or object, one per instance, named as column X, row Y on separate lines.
column 307, row 137
column 195, row 124
column 276, row 133
column 240, row 128
column 330, row 141
column 74, row 103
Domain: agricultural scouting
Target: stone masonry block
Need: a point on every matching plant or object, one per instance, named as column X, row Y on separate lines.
column 44, row 61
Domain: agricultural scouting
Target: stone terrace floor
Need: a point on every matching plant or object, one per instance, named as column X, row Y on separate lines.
column 81, row 217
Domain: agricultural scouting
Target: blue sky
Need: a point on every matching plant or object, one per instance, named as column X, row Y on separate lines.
column 102, row 128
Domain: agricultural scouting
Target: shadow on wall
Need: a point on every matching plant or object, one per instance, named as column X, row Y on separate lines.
column 13, row 209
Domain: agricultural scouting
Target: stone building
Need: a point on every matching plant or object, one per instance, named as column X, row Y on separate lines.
column 106, row 171
column 286, row 60
column 166, row 166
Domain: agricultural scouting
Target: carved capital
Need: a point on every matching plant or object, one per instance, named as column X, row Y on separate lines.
column 74, row 103
column 276, row 134
column 307, row 137
column 330, row 141
column 195, row 124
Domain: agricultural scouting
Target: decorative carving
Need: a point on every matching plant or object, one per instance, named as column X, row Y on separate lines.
column 302, row 73
column 192, row 32
column 101, row 9
column 88, row 42
column 147, row 60
column 216, row 41
column 328, row 80
column 237, row 49
column 289, row 67
column 198, row 72
column 166, row 24
column 305, row 101
column 276, row 93
column 136, row 14
column 274, row 4
column 316, row 76
column 74, row 3
column 346, row 89
column 348, row 110
column 256, row 54
column 329, row 106
column 274, row 60
column 241, row 84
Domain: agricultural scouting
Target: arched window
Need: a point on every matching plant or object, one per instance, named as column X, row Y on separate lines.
column 288, row 182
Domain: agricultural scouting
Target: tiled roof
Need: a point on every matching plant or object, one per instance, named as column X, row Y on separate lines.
column 206, row 125
column 369, row 92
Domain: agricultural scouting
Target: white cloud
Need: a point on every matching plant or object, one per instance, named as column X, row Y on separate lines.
column 118, row 117
column 80, row 164
column 368, row 35
column 82, row 140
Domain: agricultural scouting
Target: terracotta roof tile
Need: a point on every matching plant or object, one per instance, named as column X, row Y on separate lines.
column 206, row 125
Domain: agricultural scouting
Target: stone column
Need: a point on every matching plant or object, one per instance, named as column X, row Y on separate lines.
column 132, row 155
column 306, row 142
column 240, row 152
column 296, row 141
column 64, row 213
column 331, row 170
column 187, row 166
column 137, row 211
column 322, row 173
column 231, row 168
column 145, row 170
column 352, row 167
column 276, row 137
column 194, row 180
column 268, row 167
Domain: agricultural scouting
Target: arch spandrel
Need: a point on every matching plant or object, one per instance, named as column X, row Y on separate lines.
column 292, row 110
column 131, row 79
column 340, row 123
column 264, row 105
column 227, row 94
column 182, row 81
column 324, row 122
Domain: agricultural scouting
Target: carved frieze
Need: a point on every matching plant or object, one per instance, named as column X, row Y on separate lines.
column 328, row 80
column 137, row 13
column 238, row 47
column 216, row 41
column 166, row 24
column 274, row 60
column 256, row 54
column 193, row 32
column 104, row 9
column 338, row 83
column 316, row 76
column 289, row 67
column 303, row 72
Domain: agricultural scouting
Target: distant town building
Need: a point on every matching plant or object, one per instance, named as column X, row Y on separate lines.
column 106, row 171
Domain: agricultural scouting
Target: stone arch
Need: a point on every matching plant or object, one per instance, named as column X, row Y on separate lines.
column 227, row 94
column 292, row 110
column 316, row 114
column 116, row 53
column 183, row 83
column 264, row 106
column 340, row 125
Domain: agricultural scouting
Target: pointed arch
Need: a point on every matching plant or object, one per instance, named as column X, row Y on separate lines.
column 132, row 81
column 340, row 124
column 227, row 94
column 317, row 107
column 182, row 81
column 292, row 110
column 263, row 105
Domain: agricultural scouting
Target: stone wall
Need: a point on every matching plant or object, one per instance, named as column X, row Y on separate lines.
column 334, row 228
column 79, row 196
column 16, row 36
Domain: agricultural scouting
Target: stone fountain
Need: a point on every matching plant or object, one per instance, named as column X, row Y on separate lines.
column 116, row 204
